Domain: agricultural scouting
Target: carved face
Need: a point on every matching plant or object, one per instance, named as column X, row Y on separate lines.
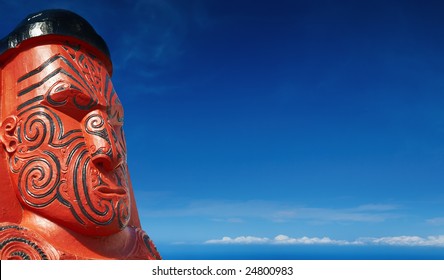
column 62, row 126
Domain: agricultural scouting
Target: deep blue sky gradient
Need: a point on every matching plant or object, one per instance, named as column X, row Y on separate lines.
column 265, row 118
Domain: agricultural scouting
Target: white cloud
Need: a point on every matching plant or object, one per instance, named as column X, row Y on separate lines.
column 434, row 241
column 239, row 240
column 283, row 239
column 409, row 241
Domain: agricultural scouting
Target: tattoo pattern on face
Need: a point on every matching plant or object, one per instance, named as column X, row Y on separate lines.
column 69, row 162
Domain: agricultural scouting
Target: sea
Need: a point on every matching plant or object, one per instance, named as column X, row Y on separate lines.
column 297, row 252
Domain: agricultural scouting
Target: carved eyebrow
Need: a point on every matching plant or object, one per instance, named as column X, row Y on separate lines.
column 67, row 92
column 69, row 100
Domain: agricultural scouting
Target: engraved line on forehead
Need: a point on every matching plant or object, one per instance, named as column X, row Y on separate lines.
column 91, row 62
column 29, row 102
column 85, row 84
column 75, row 47
column 39, row 69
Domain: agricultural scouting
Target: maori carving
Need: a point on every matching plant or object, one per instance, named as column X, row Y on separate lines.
column 18, row 243
column 64, row 149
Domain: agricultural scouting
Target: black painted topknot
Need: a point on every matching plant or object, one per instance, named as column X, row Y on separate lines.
column 54, row 22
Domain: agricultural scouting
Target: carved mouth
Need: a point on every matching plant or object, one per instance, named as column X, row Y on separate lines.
column 108, row 185
column 108, row 191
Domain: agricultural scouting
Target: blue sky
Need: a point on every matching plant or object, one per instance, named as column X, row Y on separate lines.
column 278, row 122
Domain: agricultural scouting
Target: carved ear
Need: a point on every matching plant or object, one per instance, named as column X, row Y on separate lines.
column 7, row 133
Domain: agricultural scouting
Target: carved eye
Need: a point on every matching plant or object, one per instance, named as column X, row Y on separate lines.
column 68, row 98
column 61, row 87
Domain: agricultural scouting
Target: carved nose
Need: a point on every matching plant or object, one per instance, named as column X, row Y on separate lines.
column 101, row 141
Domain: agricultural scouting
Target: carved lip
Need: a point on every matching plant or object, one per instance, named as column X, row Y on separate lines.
column 109, row 191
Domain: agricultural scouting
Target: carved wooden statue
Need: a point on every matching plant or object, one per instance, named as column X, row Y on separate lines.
column 65, row 191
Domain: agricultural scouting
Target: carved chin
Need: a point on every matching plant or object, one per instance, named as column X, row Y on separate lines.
column 84, row 223
column 117, row 223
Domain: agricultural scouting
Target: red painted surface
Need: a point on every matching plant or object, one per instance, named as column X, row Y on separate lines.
column 65, row 187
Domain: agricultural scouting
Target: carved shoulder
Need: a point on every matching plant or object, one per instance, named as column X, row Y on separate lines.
column 17, row 242
column 144, row 248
